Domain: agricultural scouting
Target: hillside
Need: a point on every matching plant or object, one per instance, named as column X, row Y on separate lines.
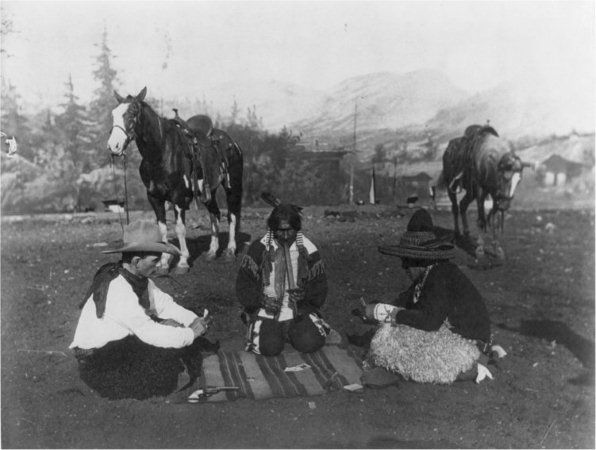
column 518, row 111
column 576, row 148
column 277, row 103
column 389, row 106
column 382, row 100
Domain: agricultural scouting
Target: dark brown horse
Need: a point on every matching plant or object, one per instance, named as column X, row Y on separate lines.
column 483, row 164
column 170, row 171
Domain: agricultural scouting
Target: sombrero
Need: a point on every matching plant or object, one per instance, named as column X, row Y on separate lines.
column 143, row 236
column 421, row 241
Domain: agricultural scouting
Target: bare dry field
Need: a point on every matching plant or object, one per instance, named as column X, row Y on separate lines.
column 541, row 302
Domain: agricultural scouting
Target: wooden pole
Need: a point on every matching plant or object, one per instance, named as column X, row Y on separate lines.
column 351, row 194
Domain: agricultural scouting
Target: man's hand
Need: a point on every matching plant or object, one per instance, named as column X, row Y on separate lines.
column 199, row 326
column 271, row 305
column 296, row 295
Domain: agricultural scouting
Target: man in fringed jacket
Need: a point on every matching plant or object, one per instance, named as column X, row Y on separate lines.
column 282, row 284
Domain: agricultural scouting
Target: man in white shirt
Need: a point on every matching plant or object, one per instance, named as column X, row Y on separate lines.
column 132, row 337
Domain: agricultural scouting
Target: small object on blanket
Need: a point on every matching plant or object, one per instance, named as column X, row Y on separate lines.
column 202, row 393
column 330, row 382
column 423, row 356
column 298, row 368
column 355, row 387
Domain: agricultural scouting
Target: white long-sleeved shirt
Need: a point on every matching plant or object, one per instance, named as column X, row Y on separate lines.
column 124, row 316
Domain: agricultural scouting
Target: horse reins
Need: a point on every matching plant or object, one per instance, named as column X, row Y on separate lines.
column 125, row 189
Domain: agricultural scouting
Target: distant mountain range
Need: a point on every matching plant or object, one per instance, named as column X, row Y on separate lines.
column 419, row 100
column 382, row 101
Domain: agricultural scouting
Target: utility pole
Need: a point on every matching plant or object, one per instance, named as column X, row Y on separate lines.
column 351, row 195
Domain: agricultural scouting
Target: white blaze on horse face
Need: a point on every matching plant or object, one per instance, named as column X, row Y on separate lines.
column 186, row 183
column 515, row 179
column 118, row 136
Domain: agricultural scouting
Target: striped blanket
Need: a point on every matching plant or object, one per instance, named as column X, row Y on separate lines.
column 260, row 377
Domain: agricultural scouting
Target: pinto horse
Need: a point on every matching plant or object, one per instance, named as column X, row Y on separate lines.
column 170, row 170
column 483, row 164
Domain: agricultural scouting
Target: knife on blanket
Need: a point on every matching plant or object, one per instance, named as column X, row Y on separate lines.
column 203, row 393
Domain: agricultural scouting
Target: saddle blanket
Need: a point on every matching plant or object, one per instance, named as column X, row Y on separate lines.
column 291, row 374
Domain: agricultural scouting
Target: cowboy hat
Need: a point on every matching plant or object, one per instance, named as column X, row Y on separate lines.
column 143, row 236
column 422, row 240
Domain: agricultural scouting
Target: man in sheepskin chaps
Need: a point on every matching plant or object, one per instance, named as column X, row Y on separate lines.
column 438, row 330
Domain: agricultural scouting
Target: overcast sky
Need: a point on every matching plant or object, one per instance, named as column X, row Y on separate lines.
column 177, row 48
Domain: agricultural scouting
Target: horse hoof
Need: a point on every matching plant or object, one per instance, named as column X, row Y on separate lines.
column 210, row 256
column 500, row 253
column 479, row 252
column 229, row 255
column 181, row 270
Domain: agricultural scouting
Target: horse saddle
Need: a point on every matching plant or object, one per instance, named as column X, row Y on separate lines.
column 199, row 143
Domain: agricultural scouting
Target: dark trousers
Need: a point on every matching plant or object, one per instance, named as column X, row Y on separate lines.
column 130, row 368
column 268, row 336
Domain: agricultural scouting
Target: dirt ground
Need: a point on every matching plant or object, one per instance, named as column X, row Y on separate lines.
column 541, row 303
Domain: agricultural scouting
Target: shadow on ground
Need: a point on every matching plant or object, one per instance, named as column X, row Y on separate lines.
column 554, row 330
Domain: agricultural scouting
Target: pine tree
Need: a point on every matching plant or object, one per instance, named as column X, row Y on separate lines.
column 234, row 113
column 100, row 109
column 73, row 125
column 252, row 119
column 6, row 27
column 12, row 122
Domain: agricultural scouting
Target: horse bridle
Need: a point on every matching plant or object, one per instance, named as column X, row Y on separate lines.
column 130, row 135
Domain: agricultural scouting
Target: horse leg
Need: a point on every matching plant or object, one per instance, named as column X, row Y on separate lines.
column 230, row 252
column 482, row 219
column 463, row 207
column 481, row 222
column 233, row 199
column 214, row 215
column 495, row 221
column 182, row 266
column 160, row 213
column 453, row 197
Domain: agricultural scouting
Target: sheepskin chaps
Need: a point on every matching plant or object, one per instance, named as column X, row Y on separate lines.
column 423, row 356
